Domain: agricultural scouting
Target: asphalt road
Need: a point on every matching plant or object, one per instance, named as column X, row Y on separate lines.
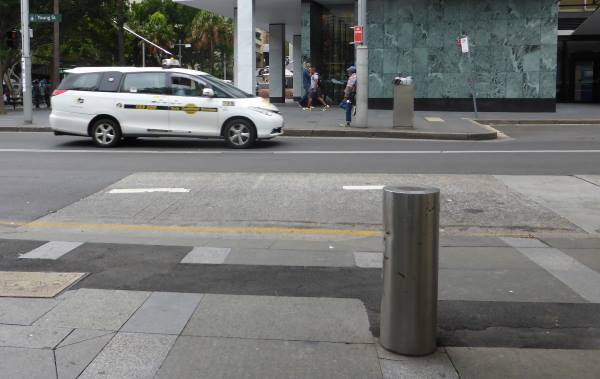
column 41, row 173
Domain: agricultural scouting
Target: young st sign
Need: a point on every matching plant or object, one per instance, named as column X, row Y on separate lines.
column 45, row 17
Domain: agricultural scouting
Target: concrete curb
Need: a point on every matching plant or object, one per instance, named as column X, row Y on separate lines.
column 540, row 122
column 401, row 134
column 24, row 129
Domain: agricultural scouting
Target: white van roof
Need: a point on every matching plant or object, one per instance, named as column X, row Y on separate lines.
column 84, row 70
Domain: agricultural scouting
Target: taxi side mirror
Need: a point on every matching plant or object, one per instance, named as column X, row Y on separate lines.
column 208, row 92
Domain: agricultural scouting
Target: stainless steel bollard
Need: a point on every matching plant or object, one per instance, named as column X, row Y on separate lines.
column 410, row 270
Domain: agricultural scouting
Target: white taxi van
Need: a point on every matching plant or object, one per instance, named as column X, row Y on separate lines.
column 110, row 104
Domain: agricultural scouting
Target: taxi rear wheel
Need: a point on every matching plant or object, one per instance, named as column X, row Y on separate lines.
column 106, row 133
column 239, row 134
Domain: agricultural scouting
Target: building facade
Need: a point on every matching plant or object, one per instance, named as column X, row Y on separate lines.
column 513, row 64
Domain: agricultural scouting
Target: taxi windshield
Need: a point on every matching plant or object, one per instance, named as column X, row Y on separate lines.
column 225, row 90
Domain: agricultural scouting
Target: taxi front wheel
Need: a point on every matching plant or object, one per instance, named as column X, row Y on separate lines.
column 239, row 134
column 106, row 133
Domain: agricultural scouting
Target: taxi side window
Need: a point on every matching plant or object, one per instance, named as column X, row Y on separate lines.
column 145, row 82
column 81, row 82
column 110, row 81
column 186, row 86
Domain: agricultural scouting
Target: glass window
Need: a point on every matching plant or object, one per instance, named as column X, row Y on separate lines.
column 145, row 82
column 186, row 86
column 81, row 82
column 110, row 81
column 225, row 90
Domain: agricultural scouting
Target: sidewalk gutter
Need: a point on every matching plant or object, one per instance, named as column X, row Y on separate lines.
column 377, row 133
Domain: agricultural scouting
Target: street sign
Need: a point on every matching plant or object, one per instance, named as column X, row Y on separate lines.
column 358, row 35
column 45, row 17
column 464, row 44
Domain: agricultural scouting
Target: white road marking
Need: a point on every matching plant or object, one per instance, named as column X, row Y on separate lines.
column 295, row 152
column 147, row 190
column 434, row 119
column 368, row 260
column 581, row 279
column 207, row 255
column 363, row 188
column 51, row 250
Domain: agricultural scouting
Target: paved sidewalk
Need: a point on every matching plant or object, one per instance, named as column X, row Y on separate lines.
column 514, row 314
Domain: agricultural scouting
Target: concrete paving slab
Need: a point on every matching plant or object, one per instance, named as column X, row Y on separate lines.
column 34, row 337
column 575, row 199
column 163, row 313
column 305, row 245
column 504, row 285
column 95, row 309
column 588, row 257
column 201, row 357
column 573, row 243
column 484, row 258
column 24, row 311
column 581, row 279
column 290, row 258
column 206, row 255
column 270, row 317
column 51, row 250
column 368, row 260
column 434, row 366
column 77, row 351
column 261, row 243
column 523, row 242
column 594, row 179
column 19, row 363
column 130, row 355
column 36, row 284
column 467, row 201
column 502, row 363
column 448, row 240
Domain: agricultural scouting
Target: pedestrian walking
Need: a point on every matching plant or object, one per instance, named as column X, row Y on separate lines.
column 45, row 92
column 349, row 95
column 305, row 84
column 35, row 85
column 6, row 93
column 314, row 94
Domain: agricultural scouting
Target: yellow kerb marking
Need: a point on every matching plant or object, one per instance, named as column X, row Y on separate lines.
column 206, row 229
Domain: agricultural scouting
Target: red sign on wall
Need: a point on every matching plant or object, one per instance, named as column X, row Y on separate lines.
column 358, row 35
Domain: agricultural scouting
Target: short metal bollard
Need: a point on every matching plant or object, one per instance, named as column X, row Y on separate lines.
column 410, row 270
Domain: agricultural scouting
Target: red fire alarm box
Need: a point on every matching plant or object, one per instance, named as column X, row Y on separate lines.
column 358, row 35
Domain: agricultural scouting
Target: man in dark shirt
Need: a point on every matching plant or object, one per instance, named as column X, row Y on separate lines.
column 305, row 84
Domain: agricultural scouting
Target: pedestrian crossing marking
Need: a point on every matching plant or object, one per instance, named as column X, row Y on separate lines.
column 206, row 255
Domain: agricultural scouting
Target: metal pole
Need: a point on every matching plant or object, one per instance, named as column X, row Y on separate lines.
column 473, row 94
column 56, row 48
column 224, row 65
column 362, row 71
column 179, row 51
column 26, row 64
column 143, row 54
column 410, row 270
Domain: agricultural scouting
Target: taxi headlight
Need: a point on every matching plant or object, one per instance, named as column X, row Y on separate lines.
column 264, row 111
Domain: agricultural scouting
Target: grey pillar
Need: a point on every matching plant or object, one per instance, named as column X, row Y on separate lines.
column 277, row 63
column 410, row 270
column 297, row 67
column 26, row 64
column 245, row 46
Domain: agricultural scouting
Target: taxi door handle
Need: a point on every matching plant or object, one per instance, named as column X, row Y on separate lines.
column 80, row 100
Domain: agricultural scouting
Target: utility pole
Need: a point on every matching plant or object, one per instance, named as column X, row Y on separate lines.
column 362, row 71
column 56, row 47
column 26, row 64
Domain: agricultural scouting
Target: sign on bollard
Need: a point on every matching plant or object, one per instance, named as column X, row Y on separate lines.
column 410, row 270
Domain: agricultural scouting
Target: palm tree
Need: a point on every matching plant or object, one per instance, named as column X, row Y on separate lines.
column 210, row 32
column 159, row 31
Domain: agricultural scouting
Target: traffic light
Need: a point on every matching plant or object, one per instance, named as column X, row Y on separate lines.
column 12, row 39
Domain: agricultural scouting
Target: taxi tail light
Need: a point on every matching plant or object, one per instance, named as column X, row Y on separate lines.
column 57, row 92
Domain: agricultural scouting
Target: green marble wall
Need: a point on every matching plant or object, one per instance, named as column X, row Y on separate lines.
column 513, row 44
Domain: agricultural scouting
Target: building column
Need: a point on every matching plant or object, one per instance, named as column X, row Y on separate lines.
column 298, row 69
column 277, row 63
column 245, row 47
